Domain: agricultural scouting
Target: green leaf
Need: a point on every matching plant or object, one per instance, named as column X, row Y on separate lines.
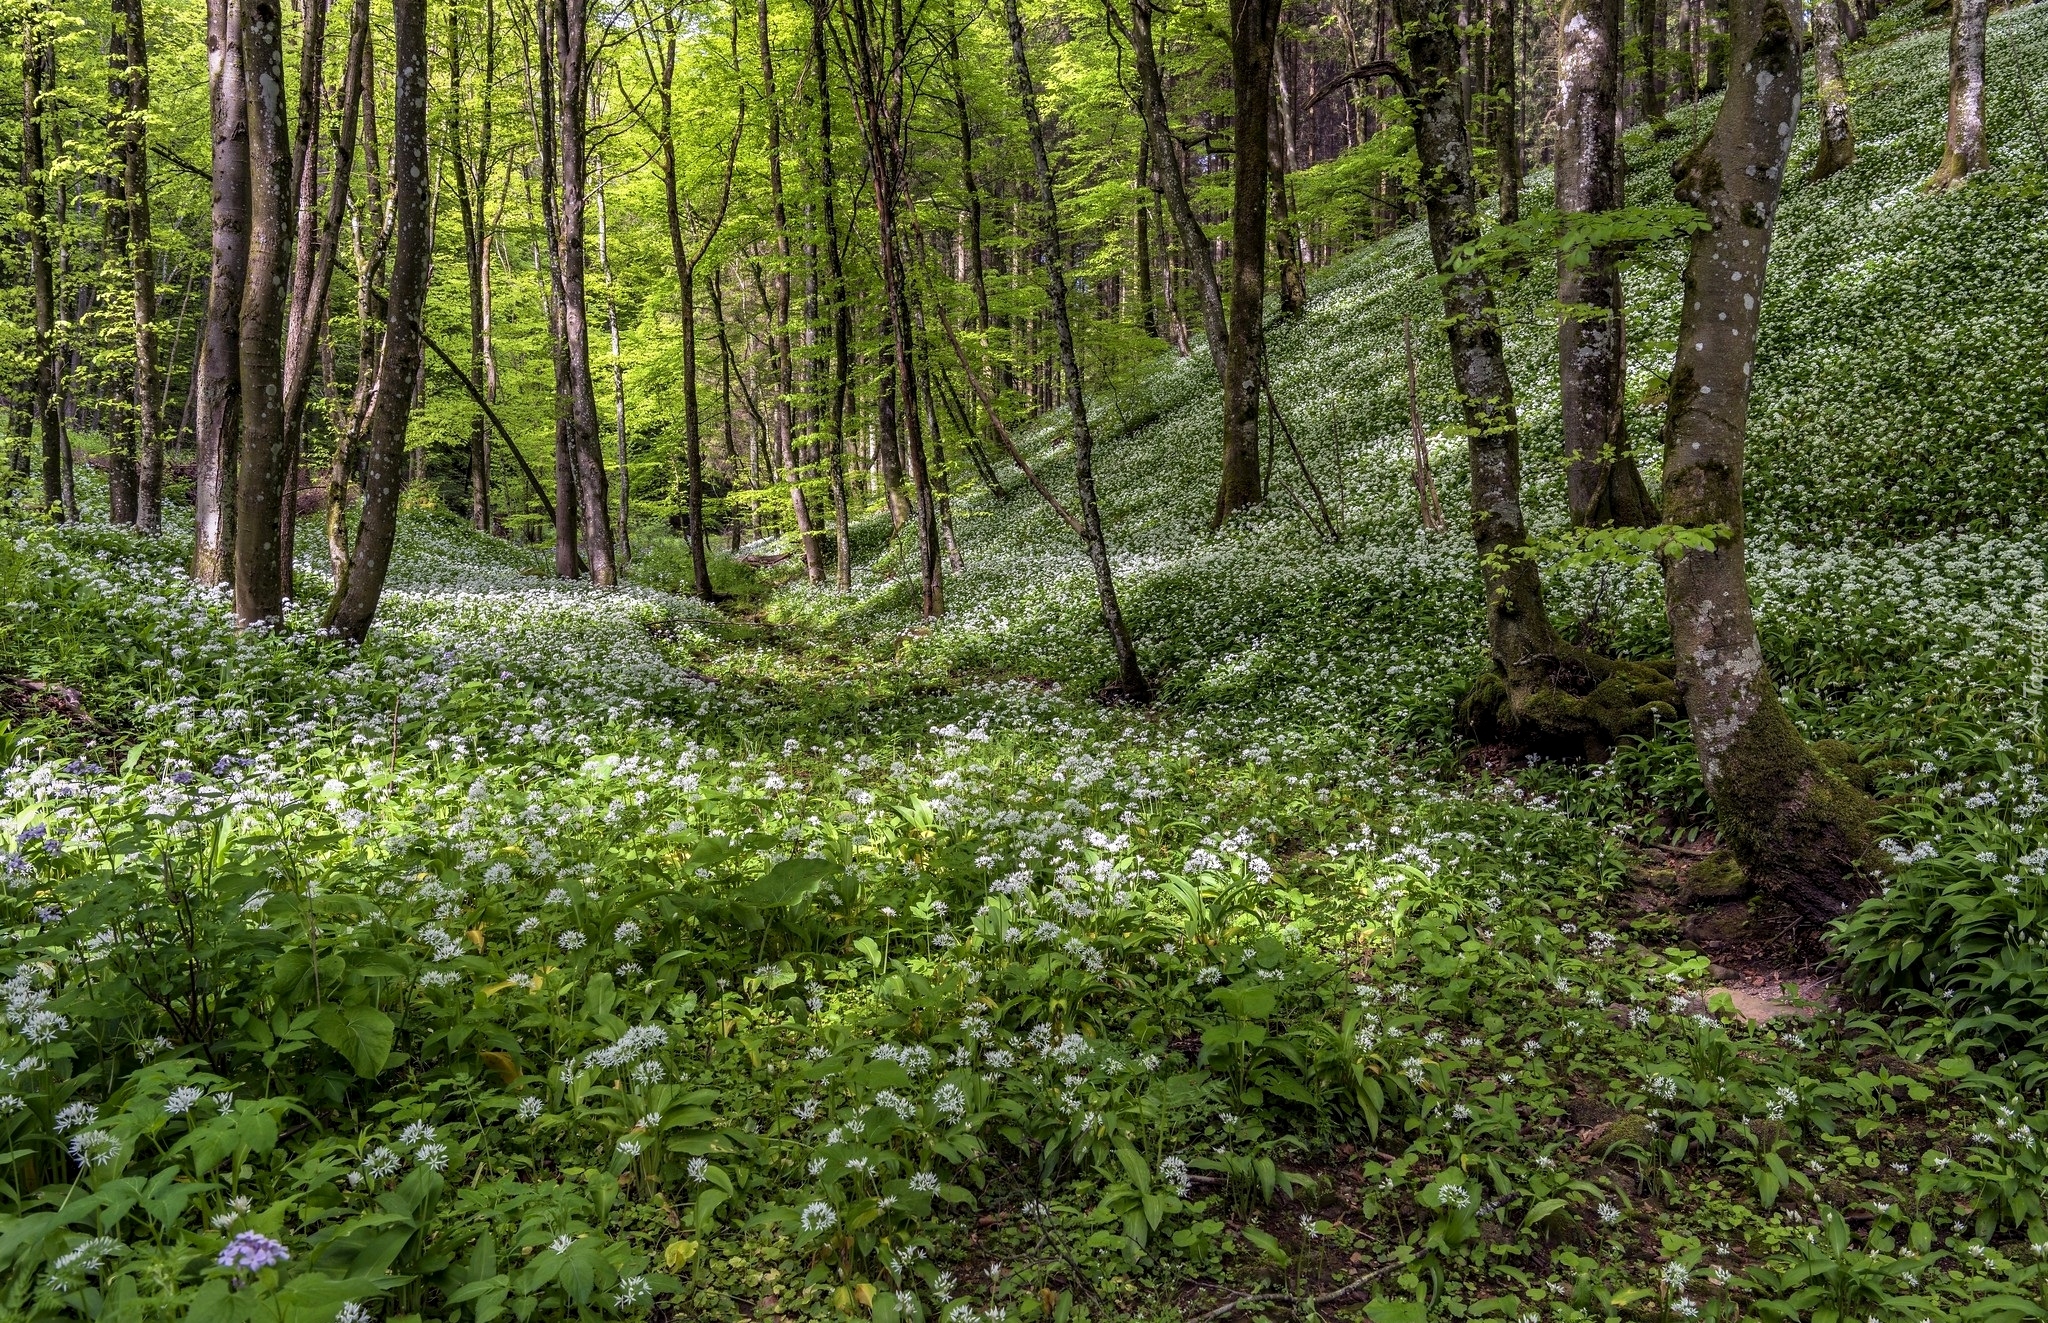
column 362, row 1034
column 786, row 883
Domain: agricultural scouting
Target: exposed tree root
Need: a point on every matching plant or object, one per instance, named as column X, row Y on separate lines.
column 1575, row 704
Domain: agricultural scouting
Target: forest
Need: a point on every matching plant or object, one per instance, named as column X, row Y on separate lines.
column 996, row 661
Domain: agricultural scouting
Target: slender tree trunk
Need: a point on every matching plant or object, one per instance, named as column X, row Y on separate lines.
column 624, row 541
column 1965, row 153
column 835, row 290
column 149, row 475
column 1130, row 676
column 1603, row 485
column 260, row 475
column 470, row 174
column 39, row 76
column 1837, row 143
column 888, row 454
column 1253, row 25
column 1506, row 118
column 1148, row 313
column 399, row 365
column 121, row 427
column 1287, row 245
column 1791, row 820
column 1717, row 47
column 1650, row 44
column 1195, row 248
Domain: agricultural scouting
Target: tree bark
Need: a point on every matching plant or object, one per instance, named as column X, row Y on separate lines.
column 1130, row 676
column 1965, row 153
column 1506, row 120
column 398, row 367
column 260, row 468
column 1287, row 245
column 1650, row 45
column 1837, row 142
column 1792, row 821
column 1148, row 315
column 835, row 289
column 39, row 76
column 149, row 474
column 568, row 30
column 118, row 420
column 470, row 174
column 217, row 412
column 1253, row 25
column 1602, row 483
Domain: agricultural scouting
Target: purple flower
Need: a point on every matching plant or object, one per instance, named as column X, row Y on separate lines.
column 251, row 1251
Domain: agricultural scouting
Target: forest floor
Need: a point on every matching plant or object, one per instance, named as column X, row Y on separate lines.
column 565, row 953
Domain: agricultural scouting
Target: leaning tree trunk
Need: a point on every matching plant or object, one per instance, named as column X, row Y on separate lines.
column 399, row 365
column 1543, row 692
column 38, row 75
column 1130, row 676
column 1602, row 482
column 1253, row 26
column 1837, row 144
column 1792, row 821
column 259, row 597
column 1965, row 153
column 835, row 291
column 217, row 387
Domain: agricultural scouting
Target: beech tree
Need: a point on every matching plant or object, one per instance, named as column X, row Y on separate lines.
column 1837, row 144
column 1964, row 152
column 1788, row 815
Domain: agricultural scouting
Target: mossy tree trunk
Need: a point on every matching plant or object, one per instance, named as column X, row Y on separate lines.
column 1794, row 823
column 1965, row 153
column 1544, row 692
column 1253, row 26
column 1602, row 482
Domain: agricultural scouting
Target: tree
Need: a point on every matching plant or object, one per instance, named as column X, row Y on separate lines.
column 1602, row 482
column 353, row 609
column 659, row 43
column 1505, row 119
column 259, row 477
column 1837, row 143
column 39, row 76
column 134, row 157
column 565, row 46
column 217, row 386
column 1253, row 26
column 471, row 173
column 1130, row 677
column 1965, row 153
column 1790, row 818
column 835, row 288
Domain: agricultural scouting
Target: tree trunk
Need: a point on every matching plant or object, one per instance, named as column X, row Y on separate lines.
column 260, row 468
column 1201, row 265
column 39, row 76
column 1130, row 677
column 624, row 541
column 1965, row 153
column 470, row 174
column 1602, row 483
column 1718, row 38
column 217, row 413
column 149, row 475
column 1792, row 821
column 568, row 31
column 1148, row 315
column 1253, row 25
column 1506, row 120
column 1837, row 143
column 888, row 455
column 1650, row 43
column 835, row 288
column 398, row 366
column 1543, row 691
column 1286, row 235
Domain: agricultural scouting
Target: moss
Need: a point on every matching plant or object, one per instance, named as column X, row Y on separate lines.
column 1719, row 876
column 1632, row 1131
column 1796, row 824
column 1578, row 704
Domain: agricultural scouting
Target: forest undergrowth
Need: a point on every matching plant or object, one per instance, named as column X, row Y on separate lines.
column 573, row 954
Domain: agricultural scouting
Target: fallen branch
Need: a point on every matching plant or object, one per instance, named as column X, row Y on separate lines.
column 1282, row 1297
